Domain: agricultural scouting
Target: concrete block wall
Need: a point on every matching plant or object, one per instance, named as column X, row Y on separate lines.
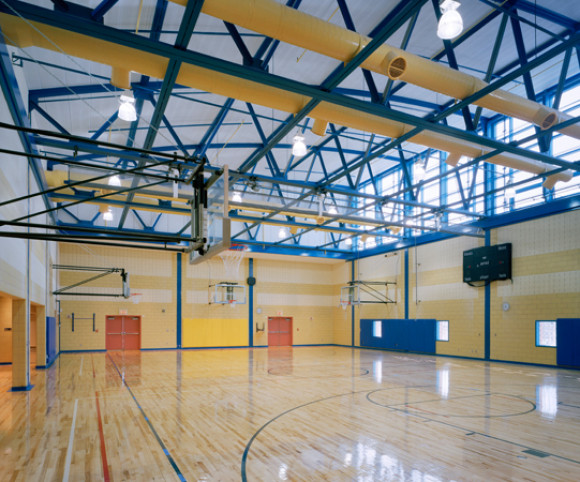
column 381, row 268
column 25, row 266
column 303, row 290
column 436, row 290
column 545, row 285
column 152, row 275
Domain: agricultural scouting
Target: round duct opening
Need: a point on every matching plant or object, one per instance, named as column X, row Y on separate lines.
column 396, row 67
column 549, row 120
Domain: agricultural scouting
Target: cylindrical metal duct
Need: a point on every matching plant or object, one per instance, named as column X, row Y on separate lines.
column 25, row 34
column 298, row 28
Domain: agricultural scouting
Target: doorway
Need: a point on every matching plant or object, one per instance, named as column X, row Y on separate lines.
column 123, row 333
column 279, row 331
column 5, row 330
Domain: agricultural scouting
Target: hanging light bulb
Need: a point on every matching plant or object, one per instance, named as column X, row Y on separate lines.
column 450, row 24
column 108, row 215
column 298, row 147
column 282, row 233
column 332, row 211
column 237, row 197
column 127, row 110
column 115, row 181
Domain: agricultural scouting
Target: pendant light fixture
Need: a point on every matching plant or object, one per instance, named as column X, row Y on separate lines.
column 127, row 110
column 450, row 24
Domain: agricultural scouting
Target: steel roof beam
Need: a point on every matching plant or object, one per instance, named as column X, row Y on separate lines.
column 100, row 10
column 34, row 106
column 15, row 103
column 492, row 62
column 319, row 93
column 189, row 19
column 528, row 83
column 397, row 17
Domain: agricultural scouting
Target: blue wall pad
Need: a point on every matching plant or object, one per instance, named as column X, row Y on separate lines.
column 568, row 342
column 399, row 334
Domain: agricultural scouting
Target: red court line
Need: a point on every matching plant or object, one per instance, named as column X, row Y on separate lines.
column 102, row 437
column 101, row 434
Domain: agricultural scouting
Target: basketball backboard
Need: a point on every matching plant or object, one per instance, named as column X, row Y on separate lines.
column 209, row 219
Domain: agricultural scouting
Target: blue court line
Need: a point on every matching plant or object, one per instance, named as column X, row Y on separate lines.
column 471, row 432
column 249, row 444
column 164, row 448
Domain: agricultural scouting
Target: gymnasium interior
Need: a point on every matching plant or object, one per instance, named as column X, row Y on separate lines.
column 291, row 240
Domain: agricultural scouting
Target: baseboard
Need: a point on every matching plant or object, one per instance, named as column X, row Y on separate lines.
column 21, row 389
column 81, row 351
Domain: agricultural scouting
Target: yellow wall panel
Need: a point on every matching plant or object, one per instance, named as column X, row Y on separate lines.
column 215, row 332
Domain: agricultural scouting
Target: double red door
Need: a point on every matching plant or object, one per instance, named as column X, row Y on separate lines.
column 279, row 331
column 123, row 333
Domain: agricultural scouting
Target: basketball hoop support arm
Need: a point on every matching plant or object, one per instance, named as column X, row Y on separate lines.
column 102, row 273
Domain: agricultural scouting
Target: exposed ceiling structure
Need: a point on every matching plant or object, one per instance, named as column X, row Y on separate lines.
column 409, row 138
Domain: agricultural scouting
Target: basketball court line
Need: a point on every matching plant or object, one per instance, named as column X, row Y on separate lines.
column 471, row 432
column 101, row 433
column 483, row 394
column 393, row 407
column 156, row 435
column 71, row 440
column 81, row 367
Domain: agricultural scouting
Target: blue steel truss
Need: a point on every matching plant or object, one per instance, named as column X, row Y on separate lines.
column 346, row 177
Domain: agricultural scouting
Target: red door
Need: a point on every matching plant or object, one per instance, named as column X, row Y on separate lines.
column 279, row 331
column 114, row 331
column 273, row 332
column 131, row 332
column 285, row 331
column 123, row 333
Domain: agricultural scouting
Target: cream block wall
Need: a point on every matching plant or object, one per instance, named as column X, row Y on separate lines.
column 305, row 291
column 152, row 274
column 545, row 285
column 341, row 274
column 436, row 290
column 25, row 272
column 390, row 268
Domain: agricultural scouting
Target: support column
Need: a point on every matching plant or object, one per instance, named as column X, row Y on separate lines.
column 20, row 346
column 179, row 290
column 40, row 336
column 251, row 303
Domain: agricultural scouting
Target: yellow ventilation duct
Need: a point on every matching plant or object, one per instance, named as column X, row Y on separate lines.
column 121, row 58
column 298, row 28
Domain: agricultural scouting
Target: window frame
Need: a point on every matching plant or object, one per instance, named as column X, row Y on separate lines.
column 437, row 338
column 379, row 324
column 537, row 334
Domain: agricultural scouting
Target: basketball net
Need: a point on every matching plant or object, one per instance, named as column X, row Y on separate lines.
column 232, row 258
column 136, row 297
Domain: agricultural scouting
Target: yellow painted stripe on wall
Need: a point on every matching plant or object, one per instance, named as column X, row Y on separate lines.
column 208, row 332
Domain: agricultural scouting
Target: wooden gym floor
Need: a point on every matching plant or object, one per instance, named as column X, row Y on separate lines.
column 311, row 413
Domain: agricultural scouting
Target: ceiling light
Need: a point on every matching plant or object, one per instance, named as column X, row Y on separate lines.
column 332, row 211
column 299, row 148
column 450, row 24
column 348, row 241
column 127, row 110
column 282, row 233
column 237, row 197
column 108, row 215
column 115, row 181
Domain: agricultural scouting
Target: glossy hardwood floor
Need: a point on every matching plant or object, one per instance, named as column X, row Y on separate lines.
column 311, row 413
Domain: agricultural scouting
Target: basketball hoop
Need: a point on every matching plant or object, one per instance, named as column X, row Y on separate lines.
column 232, row 303
column 345, row 304
column 232, row 258
column 136, row 297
